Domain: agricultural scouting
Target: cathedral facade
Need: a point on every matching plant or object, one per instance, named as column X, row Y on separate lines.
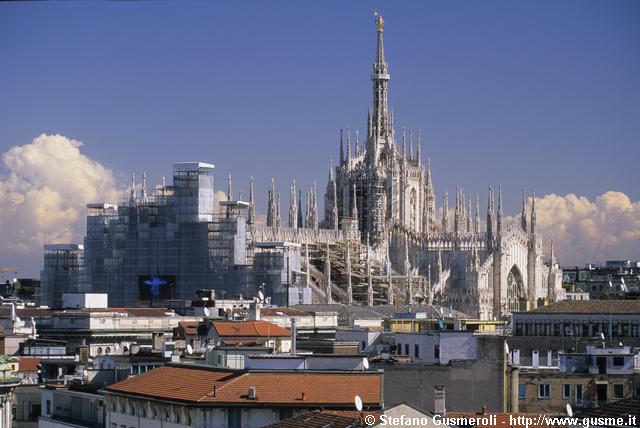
column 485, row 269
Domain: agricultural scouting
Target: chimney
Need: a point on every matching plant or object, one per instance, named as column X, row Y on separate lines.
column 294, row 335
column 255, row 311
column 251, row 394
column 439, row 398
column 513, row 399
column 157, row 340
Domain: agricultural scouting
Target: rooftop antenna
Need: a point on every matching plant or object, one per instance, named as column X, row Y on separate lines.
column 365, row 363
column 569, row 410
column 358, row 402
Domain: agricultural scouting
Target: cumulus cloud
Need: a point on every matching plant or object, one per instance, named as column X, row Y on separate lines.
column 44, row 193
column 218, row 196
column 587, row 231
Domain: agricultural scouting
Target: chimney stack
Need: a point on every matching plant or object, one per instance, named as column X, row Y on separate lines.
column 439, row 397
column 294, row 335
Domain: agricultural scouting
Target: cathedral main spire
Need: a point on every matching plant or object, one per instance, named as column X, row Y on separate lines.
column 380, row 126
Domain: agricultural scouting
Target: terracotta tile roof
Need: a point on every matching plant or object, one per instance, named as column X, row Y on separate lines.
column 189, row 327
column 590, row 307
column 28, row 364
column 173, row 383
column 249, row 329
column 215, row 387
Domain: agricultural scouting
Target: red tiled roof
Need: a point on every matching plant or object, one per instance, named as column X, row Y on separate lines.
column 215, row 387
column 28, row 364
column 249, row 329
column 190, row 327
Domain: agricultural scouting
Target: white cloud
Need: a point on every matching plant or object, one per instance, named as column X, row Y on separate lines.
column 587, row 231
column 44, row 195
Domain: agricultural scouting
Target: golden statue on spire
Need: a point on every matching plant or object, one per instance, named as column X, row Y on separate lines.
column 379, row 22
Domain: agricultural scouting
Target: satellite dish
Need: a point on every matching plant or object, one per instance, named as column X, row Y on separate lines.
column 260, row 296
column 365, row 363
column 601, row 335
column 610, row 284
column 189, row 349
column 622, row 281
column 207, row 312
column 569, row 410
column 506, row 348
column 358, row 402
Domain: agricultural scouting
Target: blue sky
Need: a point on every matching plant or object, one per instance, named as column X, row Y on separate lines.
column 542, row 94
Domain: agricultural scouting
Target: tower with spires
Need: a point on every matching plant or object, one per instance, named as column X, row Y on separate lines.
column 394, row 188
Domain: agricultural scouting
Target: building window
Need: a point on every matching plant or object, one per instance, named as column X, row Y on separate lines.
column 436, row 352
column 107, row 350
column 522, row 391
column 566, row 391
column 416, row 351
column 48, row 407
column 544, row 391
column 234, row 418
column 406, row 349
column 285, row 414
column 99, row 350
column 364, row 345
column 578, row 394
column 618, row 361
column 618, row 391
